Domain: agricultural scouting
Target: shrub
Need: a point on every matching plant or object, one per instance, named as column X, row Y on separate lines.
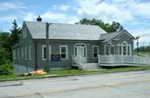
column 6, row 69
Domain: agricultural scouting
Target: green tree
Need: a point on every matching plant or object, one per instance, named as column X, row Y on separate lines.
column 14, row 36
column 15, row 32
column 115, row 26
column 4, row 55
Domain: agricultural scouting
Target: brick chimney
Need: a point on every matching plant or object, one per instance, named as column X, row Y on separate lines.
column 39, row 19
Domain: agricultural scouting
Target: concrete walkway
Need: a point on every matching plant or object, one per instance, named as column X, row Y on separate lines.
column 113, row 85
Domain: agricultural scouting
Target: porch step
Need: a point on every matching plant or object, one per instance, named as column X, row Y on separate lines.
column 90, row 66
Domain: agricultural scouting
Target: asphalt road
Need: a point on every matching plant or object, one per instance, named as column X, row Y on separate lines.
column 112, row 85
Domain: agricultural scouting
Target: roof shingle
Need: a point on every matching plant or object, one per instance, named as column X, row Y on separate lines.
column 64, row 31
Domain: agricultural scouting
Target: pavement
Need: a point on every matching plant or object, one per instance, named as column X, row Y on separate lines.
column 112, row 85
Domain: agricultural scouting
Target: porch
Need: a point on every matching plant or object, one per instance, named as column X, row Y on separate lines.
column 123, row 60
column 110, row 61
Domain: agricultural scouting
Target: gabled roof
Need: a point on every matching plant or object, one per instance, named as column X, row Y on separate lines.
column 109, row 36
column 64, row 31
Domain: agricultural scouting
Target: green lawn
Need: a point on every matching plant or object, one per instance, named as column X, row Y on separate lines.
column 69, row 72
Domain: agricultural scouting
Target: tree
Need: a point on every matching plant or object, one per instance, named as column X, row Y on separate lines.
column 115, row 26
column 14, row 36
column 15, row 32
column 4, row 55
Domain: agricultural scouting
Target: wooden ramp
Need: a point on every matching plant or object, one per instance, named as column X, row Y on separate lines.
column 123, row 60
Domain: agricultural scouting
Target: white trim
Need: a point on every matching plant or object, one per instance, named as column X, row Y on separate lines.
column 77, row 44
column 66, row 47
column 44, row 46
column 124, row 43
column 109, row 49
column 93, row 46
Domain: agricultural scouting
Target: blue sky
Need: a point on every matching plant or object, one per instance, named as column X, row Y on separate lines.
column 134, row 15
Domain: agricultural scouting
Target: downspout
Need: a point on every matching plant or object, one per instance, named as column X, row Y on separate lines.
column 47, row 47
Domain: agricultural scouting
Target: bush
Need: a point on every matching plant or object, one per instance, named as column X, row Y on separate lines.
column 6, row 69
column 3, row 56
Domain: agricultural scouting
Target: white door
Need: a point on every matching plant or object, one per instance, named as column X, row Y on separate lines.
column 81, row 51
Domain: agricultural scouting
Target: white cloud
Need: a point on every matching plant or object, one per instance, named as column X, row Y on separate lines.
column 53, row 16
column 11, row 5
column 144, row 35
column 103, row 10
column 141, row 9
column 7, row 18
column 30, row 16
column 59, row 17
column 61, row 7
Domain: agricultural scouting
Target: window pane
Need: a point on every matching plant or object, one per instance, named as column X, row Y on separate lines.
column 75, row 51
column 84, row 52
column 63, row 55
column 124, row 50
column 95, row 54
column 120, row 50
column 63, row 52
column 95, row 49
column 112, row 50
column 128, row 50
column 44, row 55
column 63, row 49
column 107, row 50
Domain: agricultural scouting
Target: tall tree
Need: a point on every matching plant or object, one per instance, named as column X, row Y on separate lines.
column 15, row 32
column 115, row 26
column 14, row 36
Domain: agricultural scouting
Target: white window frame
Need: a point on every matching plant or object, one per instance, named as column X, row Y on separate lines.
column 30, row 53
column 66, row 51
column 44, row 46
column 24, row 33
column 109, row 49
column 25, row 52
column 93, row 50
column 22, row 52
column 14, row 54
column 124, row 43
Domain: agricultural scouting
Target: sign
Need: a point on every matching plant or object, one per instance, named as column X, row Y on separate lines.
column 55, row 57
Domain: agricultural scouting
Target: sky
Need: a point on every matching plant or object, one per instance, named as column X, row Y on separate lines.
column 133, row 15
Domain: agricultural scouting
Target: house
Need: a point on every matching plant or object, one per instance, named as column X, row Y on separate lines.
column 67, row 44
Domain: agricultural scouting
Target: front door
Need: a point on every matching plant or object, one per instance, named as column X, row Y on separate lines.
column 80, row 51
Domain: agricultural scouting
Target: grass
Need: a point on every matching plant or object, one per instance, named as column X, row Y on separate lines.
column 70, row 72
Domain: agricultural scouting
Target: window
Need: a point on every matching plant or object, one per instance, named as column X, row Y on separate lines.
column 22, row 53
column 112, row 50
column 18, row 54
column 25, row 51
column 124, row 49
column 14, row 54
column 95, row 51
column 107, row 50
column 24, row 32
column 64, row 52
column 44, row 52
column 120, row 50
column 129, row 50
column 30, row 54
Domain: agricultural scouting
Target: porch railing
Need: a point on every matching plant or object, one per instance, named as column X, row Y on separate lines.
column 122, row 59
column 77, row 60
